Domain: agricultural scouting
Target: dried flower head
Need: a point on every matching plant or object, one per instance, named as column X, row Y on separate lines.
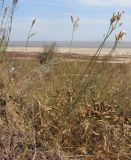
column 119, row 15
column 113, row 18
column 116, row 17
column 119, row 36
column 75, row 20
column 33, row 22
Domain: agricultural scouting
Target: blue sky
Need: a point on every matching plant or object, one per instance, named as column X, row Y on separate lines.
column 53, row 19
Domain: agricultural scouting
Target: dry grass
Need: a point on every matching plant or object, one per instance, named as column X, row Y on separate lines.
column 34, row 119
column 66, row 110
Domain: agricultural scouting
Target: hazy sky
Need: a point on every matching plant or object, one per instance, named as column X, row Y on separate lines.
column 53, row 18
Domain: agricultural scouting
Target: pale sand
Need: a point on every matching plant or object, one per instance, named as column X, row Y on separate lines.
column 123, row 53
column 88, row 51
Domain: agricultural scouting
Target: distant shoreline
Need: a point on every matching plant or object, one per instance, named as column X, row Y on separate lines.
column 66, row 44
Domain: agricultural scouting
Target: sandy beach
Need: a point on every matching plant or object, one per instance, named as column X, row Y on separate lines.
column 121, row 54
column 87, row 51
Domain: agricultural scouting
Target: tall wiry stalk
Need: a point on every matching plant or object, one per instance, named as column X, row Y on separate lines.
column 6, row 20
column 14, row 3
column 3, row 24
column 30, row 34
column 99, row 70
column 75, row 24
column 114, row 23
